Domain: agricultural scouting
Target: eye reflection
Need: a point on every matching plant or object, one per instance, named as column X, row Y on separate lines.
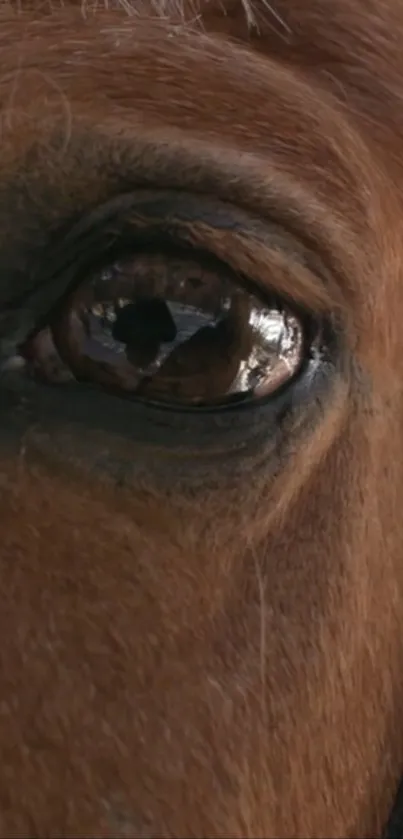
column 173, row 331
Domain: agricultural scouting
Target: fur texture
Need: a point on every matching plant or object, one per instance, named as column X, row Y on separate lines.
column 218, row 653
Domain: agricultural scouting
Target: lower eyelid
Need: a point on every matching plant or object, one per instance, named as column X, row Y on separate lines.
column 138, row 445
column 143, row 424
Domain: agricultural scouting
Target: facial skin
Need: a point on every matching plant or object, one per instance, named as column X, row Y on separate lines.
column 201, row 622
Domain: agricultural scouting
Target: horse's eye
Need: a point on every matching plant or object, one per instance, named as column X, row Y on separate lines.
column 172, row 330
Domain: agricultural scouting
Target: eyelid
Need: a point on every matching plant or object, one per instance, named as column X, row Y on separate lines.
column 256, row 248
column 261, row 250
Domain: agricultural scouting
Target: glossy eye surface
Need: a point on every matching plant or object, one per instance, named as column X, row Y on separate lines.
column 171, row 330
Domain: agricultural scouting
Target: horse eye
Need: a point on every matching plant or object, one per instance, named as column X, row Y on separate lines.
column 171, row 330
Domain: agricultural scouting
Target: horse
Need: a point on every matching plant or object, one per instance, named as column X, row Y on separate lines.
column 201, row 413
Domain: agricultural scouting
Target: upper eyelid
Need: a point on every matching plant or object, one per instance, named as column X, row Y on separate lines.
column 260, row 242
column 34, row 308
column 39, row 304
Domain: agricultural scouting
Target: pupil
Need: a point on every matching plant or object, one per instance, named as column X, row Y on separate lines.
column 144, row 323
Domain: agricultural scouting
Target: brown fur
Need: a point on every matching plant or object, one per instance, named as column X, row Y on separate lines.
column 224, row 661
